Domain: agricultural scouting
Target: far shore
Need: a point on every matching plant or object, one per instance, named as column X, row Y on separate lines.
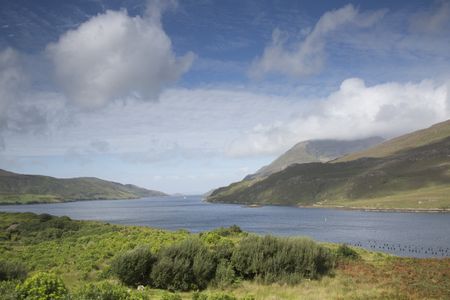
column 256, row 205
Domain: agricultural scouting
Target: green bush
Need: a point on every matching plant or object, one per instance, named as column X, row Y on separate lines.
column 346, row 252
column 42, row 286
column 188, row 265
column 225, row 275
column 221, row 296
column 134, row 267
column 8, row 290
column 12, row 271
column 281, row 259
column 107, row 291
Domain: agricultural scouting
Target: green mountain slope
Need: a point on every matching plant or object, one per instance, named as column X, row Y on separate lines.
column 18, row 188
column 315, row 151
column 418, row 138
column 406, row 178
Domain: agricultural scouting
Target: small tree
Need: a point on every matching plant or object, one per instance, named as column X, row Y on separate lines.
column 346, row 252
column 134, row 267
column 188, row 265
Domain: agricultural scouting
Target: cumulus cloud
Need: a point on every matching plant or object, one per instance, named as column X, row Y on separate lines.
column 307, row 57
column 114, row 55
column 354, row 111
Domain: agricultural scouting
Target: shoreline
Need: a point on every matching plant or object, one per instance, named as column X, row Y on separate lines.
column 349, row 208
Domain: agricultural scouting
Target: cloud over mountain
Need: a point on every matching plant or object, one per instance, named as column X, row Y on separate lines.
column 355, row 110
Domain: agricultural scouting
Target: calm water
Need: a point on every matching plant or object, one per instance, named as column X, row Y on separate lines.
column 406, row 234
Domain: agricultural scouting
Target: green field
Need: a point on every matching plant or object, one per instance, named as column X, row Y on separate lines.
column 81, row 252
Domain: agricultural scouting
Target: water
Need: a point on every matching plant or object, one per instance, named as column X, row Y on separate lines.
column 404, row 234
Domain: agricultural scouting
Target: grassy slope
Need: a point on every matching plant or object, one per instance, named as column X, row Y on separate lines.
column 412, row 178
column 418, row 138
column 314, row 151
column 22, row 189
column 80, row 251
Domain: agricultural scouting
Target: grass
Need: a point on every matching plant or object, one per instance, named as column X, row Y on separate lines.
column 427, row 198
column 81, row 252
column 28, row 199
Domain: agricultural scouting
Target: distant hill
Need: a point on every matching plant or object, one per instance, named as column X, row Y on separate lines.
column 22, row 189
column 408, row 172
column 315, row 151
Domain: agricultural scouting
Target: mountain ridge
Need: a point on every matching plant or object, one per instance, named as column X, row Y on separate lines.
column 24, row 188
column 322, row 150
column 409, row 177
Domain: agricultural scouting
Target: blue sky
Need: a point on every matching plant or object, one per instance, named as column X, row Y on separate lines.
column 186, row 96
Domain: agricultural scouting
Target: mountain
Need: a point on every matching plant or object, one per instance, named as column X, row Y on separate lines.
column 19, row 188
column 408, row 172
column 315, row 151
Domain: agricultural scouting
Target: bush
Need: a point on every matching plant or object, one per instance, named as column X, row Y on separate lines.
column 8, row 290
column 221, row 296
column 184, row 266
column 346, row 252
column 107, row 291
column 281, row 259
column 134, row 267
column 225, row 275
column 42, row 286
column 12, row 271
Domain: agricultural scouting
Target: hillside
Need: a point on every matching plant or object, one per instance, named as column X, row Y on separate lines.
column 399, row 175
column 315, row 151
column 418, row 138
column 19, row 188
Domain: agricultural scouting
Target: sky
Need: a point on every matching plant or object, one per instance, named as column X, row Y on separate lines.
column 186, row 96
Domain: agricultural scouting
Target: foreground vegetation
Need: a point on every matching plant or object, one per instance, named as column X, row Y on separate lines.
column 44, row 255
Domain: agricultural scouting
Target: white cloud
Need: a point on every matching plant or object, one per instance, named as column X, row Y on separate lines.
column 354, row 111
column 114, row 55
column 307, row 57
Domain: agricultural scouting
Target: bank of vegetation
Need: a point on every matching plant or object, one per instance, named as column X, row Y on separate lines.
column 47, row 257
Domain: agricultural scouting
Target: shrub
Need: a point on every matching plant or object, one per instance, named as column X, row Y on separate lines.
column 107, row 291
column 221, row 296
column 223, row 250
column 134, row 267
column 225, row 275
column 8, row 290
column 345, row 251
column 281, row 259
column 42, row 286
column 199, row 296
column 184, row 266
column 12, row 270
